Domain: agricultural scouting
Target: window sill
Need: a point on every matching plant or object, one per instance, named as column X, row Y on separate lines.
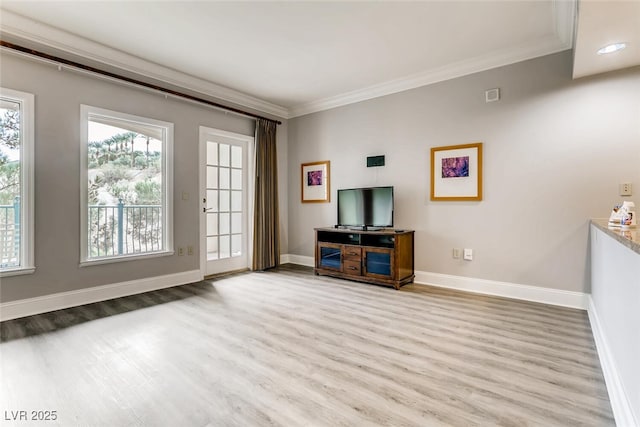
column 111, row 260
column 19, row 271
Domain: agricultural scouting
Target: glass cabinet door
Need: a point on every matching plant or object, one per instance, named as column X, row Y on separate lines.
column 378, row 262
column 330, row 256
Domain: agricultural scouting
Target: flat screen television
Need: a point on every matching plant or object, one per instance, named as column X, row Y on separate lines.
column 365, row 207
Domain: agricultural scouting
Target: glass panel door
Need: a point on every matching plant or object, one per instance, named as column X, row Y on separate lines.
column 225, row 203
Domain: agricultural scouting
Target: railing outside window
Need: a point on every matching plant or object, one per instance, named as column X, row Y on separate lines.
column 124, row 229
column 114, row 230
column 10, row 234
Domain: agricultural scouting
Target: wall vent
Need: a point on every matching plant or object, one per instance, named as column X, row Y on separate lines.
column 492, row 95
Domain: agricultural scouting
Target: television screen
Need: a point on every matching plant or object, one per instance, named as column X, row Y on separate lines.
column 371, row 207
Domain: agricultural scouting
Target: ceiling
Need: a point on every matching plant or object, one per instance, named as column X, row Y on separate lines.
column 293, row 58
column 602, row 23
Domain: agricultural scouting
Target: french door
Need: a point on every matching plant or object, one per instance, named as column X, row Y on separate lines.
column 225, row 199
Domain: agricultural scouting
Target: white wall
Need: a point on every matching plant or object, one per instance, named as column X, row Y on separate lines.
column 58, row 95
column 554, row 152
column 615, row 317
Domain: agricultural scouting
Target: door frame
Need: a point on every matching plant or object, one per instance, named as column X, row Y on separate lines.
column 202, row 190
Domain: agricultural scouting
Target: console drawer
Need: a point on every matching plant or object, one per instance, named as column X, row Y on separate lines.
column 352, row 267
column 352, row 253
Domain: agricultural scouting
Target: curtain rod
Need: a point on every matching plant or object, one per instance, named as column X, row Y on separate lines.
column 130, row 80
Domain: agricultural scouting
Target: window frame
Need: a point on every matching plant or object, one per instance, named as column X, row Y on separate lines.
column 27, row 144
column 167, row 185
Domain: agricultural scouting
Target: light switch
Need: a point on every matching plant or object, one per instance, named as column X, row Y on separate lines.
column 468, row 254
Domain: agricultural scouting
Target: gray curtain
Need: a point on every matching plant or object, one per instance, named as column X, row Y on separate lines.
column 266, row 234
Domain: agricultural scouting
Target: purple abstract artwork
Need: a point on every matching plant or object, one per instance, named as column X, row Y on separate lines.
column 455, row 167
column 314, row 178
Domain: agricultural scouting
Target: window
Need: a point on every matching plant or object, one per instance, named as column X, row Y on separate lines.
column 16, row 182
column 127, row 194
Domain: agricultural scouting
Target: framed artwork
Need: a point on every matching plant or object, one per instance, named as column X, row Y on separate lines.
column 315, row 182
column 456, row 172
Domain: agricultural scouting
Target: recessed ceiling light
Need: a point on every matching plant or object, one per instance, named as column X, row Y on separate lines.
column 610, row 48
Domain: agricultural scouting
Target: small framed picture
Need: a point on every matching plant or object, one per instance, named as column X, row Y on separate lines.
column 315, row 182
column 456, row 172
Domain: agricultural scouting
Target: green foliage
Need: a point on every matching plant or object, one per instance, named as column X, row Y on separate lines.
column 153, row 161
column 148, row 192
column 121, row 150
column 121, row 161
column 140, row 161
column 102, row 236
column 112, row 175
column 10, row 129
column 94, row 188
column 9, row 169
column 143, row 227
column 9, row 182
column 125, row 168
column 121, row 191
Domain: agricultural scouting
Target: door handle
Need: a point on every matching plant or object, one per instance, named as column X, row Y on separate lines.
column 206, row 209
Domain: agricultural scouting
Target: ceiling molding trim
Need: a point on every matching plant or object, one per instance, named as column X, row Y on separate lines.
column 36, row 32
column 548, row 46
column 564, row 14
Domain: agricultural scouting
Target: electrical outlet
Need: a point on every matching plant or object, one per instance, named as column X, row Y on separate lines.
column 189, row 250
column 456, row 253
column 625, row 189
column 180, row 251
column 468, row 254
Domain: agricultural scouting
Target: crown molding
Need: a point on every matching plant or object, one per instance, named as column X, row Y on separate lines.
column 451, row 71
column 26, row 29
column 564, row 15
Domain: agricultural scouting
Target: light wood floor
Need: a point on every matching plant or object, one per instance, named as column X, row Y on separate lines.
column 288, row 348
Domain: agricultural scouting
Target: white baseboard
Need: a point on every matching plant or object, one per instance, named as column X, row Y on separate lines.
column 27, row 307
column 307, row 261
column 481, row 286
column 504, row 289
column 617, row 396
